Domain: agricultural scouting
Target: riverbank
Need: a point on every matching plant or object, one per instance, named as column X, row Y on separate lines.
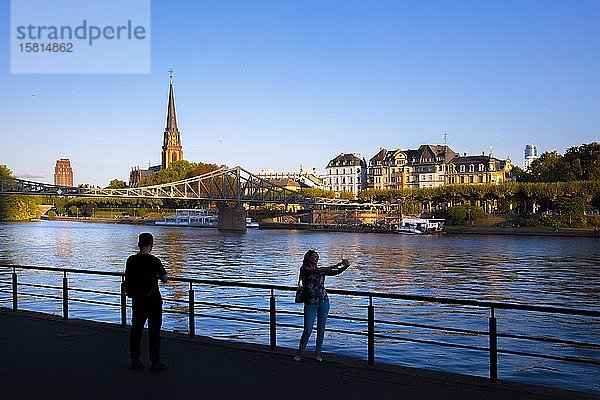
column 518, row 231
column 450, row 230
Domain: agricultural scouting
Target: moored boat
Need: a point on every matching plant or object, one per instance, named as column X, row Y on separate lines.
column 191, row 217
column 198, row 218
column 420, row 226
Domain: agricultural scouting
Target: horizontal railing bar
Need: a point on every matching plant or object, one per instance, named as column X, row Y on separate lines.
column 45, row 296
column 71, row 289
column 287, row 312
column 440, row 328
column 40, row 286
column 552, row 357
column 424, row 341
column 166, row 311
column 69, row 270
column 550, row 340
column 430, row 299
column 94, row 302
column 232, row 318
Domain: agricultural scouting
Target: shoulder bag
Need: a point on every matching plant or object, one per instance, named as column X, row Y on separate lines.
column 299, row 291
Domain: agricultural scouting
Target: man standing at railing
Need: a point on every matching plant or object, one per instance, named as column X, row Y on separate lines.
column 142, row 272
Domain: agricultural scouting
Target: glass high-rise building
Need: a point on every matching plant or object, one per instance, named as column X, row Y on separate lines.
column 531, row 154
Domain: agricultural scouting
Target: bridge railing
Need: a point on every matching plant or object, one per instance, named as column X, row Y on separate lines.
column 189, row 308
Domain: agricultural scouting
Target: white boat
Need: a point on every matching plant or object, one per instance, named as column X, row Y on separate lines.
column 251, row 224
column 420, row 226
column 197, row 217
column 192, row 217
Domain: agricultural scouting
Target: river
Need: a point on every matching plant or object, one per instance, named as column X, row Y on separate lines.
column 557, row 271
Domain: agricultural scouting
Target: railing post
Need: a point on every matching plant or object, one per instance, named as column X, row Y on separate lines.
column 123, row 303
column 493, row 347
column 65, row 297
column 14, row 289
column 371, row 331
column 191, row 312
column 273, row 321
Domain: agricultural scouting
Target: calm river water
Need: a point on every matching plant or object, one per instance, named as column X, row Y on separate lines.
column 534, row 270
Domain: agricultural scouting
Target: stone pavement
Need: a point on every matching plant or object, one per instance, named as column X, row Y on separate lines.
column 45, row 357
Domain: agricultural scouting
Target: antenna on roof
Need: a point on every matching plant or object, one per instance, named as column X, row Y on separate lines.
column 445, row 139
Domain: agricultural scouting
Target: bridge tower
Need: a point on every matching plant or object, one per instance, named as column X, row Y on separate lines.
column 171, row 149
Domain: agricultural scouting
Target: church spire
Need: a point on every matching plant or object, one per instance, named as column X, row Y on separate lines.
column 171, row 114
column 171, row 150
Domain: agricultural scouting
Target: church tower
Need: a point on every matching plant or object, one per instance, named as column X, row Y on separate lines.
column 171, row 149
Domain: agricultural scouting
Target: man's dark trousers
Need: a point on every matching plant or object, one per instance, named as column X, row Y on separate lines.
column 146, row 309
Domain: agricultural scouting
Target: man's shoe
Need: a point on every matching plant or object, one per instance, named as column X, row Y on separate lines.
column 158, row 367
column 135, row 365
column 319, row 358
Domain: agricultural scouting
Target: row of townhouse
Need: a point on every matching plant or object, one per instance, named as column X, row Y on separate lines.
column 426, row 167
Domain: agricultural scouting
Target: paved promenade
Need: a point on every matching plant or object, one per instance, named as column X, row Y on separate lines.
column 44, row 357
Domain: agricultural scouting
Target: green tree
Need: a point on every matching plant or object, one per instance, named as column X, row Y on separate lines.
column 584, row 162
column 572, row 206
column 5, row 171
column 116, row 184
column 16, row 207
column 550, row 167
column 73, row 211
column 178, row 170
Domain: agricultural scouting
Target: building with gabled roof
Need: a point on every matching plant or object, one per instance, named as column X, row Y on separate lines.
column 479, row 169
column 397, row 169
column 429, row 165
column 346, row 172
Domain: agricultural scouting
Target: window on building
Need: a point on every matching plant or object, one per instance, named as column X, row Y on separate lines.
column 481, row 167
column 462, row 169
column 471, row 168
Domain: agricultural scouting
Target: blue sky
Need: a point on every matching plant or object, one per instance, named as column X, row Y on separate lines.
column 276, row 84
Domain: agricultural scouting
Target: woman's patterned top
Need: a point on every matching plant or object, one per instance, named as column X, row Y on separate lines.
column 314, row 286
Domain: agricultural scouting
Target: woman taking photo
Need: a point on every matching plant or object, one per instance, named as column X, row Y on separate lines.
column 316, row 302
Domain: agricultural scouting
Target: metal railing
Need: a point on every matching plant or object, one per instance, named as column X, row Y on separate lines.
column 191, row 313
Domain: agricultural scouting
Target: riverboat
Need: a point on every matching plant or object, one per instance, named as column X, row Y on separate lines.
column 420, row 226
column 251, row 224
column 191, row 217
column 197, row 217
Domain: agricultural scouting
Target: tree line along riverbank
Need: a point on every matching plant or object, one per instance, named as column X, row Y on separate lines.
column 558, row 205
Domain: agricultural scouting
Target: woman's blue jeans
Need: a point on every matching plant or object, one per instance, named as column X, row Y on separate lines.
column 311, row 311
